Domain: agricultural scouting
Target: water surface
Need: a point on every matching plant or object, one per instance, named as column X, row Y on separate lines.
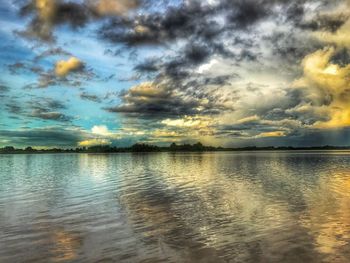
column 166, row 207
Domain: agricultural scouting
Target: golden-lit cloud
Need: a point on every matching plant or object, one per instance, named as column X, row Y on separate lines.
column 166, row 134
column 326, row 85
column 140, row 29
column 64, row 67
column 46, row 9
column 272, row 134
column 248, row 119
column 188, row 122
column 94, row 142
column 115, row 7
column 148, row 90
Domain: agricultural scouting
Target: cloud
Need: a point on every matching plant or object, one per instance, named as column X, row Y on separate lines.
column 54, row 51
column 4, row 88
column 329, row 23
column 101, row 130
column 186, row 122
column 189, row 19
column 48, row 14
column 49, row 115
column 94, row 142
column 90, row 97
column 254, row 70
column 65, row 67
column 13, row 108
column 114, row 7
column 272, row 134
column 326, row 85
column 340, row 37
column 46, row 109
column 52, row 136
column 46, row 9
column 100, row 135
column 41, row 24
column 18, row 68
column 152, row 100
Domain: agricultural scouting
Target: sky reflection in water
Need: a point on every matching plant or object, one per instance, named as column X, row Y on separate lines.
column 200, row 207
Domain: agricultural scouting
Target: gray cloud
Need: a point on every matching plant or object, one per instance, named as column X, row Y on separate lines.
column 49, row 136
column 209, row 52
column 54, row 13
column 40, row 108
column 90, row 97
column 160, row 100
column 49, row 115
column 13, row 108
column 47, row 109
column 54, row 51
column 4, row 88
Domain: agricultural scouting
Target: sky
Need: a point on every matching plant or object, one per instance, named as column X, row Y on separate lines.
column 227, row 73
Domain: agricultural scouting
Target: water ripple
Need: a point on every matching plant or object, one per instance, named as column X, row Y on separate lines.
column 190, row 207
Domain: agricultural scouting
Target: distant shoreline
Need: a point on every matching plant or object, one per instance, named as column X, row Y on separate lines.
column 145, row 148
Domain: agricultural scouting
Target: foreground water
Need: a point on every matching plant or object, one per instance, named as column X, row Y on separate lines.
column 191, row 207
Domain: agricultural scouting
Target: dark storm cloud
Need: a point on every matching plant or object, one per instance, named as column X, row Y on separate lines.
column 154, row 102
column 297, row 138
column 192, row 19
column 329, row 23
column 148, row 66
column 256, row 125
column 179, row 67
column 189, row 18
column 200, row 81
column 291, row 47
column 245, row 13
column 54, row 13
column 197, row 26
column 73, row 14
column 157, row 28
column 70, row 13
column 150, row 100
column 194, row 22
column 225, row 36
column 342, row 57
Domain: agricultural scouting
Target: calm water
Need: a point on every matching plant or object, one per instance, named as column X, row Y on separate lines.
column 193, row 207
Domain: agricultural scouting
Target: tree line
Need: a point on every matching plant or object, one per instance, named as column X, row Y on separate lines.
column 141, row 147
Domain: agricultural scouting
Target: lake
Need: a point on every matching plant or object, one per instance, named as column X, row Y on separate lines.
column 175, row 207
